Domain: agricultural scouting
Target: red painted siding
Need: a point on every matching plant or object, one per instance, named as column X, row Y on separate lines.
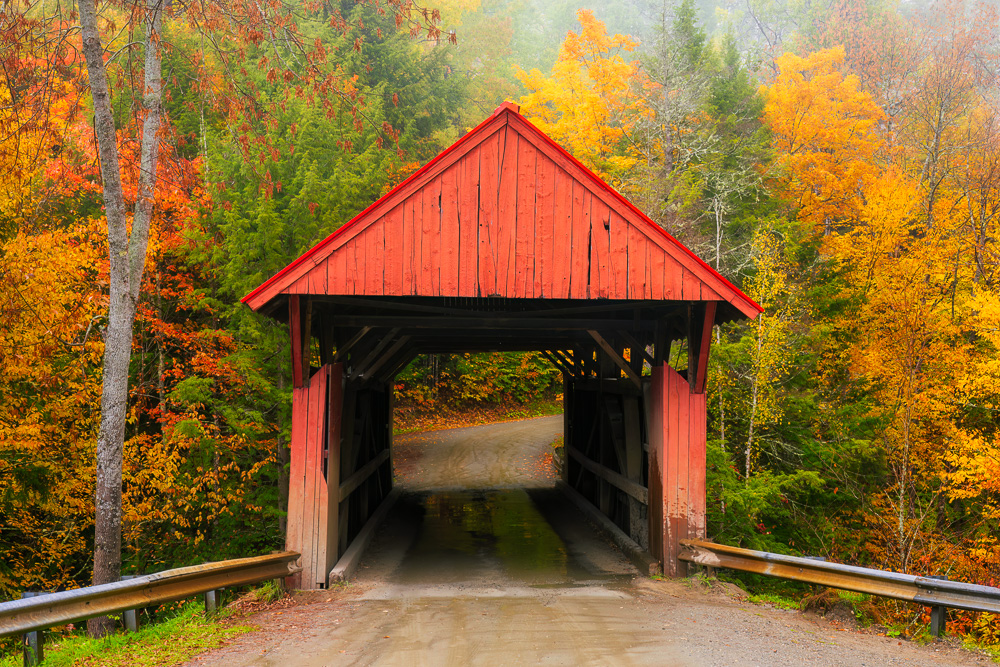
column 307, row 487
column 676, row 467
column 505, row 212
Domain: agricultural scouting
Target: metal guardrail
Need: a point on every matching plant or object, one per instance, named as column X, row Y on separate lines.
column 927, row 591
column 52, row 609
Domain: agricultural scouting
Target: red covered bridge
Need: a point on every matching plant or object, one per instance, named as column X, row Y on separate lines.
column 502, row 242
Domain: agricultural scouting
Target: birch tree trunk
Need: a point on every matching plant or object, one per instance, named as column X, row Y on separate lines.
column 127, row 254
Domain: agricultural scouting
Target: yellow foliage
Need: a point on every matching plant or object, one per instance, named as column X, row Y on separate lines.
column 823, row 127
column 587, row 103
column 51, row 310
column 769, row 357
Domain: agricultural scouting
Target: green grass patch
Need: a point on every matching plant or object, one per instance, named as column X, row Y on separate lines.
column 774, row 600
column 170, row 642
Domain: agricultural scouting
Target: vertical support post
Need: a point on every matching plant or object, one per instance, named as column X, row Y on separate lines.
column 213, row 600
column 335, row 420
column 130, row 616
column 638, row 525
column 938, row 613
column 568, row 385
column 34, row 651
column 347, row 448
column 677, row 449
column 937, row 620
column 704, row 340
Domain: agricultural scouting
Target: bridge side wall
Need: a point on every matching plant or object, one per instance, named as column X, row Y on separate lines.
column 677, row 445
column 314, row 407
column 340, row 469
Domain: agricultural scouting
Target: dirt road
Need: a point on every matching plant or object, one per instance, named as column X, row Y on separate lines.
column 484, row 563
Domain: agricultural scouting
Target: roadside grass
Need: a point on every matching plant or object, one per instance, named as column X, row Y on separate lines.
column 992, row 650
column 774, row 600
column 173, row 641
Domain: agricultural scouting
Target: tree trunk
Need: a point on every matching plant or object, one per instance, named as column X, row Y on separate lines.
column 754, row 389
column 127, row 254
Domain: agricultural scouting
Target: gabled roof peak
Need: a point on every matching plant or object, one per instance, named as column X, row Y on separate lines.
column 504, row 211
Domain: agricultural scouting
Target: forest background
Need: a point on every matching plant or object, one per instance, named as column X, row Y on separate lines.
column 840, row 163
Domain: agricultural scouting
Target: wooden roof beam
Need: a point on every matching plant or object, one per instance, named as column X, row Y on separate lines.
column 615, row 357
column 488, row 322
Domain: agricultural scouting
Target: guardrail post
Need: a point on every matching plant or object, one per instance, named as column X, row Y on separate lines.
column 213, row 599
column 33, row 649
column 938, row 617
column 130, row 616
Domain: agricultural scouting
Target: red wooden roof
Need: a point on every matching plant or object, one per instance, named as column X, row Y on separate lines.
column 504, row 212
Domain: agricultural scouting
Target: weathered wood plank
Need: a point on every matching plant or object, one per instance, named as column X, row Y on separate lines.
column 468, row 214
column 394, row 252
column 559, row 246
column 546, row 279
column 691, row 286
column 636, row 282
column 297, row 475
column 317, row 280
column 600, row 225
column 507, row 214
column 450, row 232
column 489, row 226
column 615, row 357
column 375, row 260
column 306, row 309
column 619, row 256
column 350, row 256
column 681, row 444
column 579, row 268
column 633, row 489
column 648, row 283
column 411, row 244
column 429, row 282
column 335, row 405
column 340, row 272
column 654, row 401
column 697, row 461
column 521, row 274
column 354, row 481
column 313, row 476
column 701, row 374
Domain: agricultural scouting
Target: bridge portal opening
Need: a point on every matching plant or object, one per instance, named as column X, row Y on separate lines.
column 503, row 242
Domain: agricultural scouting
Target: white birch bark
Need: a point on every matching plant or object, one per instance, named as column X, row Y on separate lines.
column 127, row 254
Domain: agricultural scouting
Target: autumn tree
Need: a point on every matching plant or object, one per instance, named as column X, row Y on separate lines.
column 238, row 33
column 823, row 128
column 589, row 102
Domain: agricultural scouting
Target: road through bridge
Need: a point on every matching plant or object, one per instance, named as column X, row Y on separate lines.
column 483, row 562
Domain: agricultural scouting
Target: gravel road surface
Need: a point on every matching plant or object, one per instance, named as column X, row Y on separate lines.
column 483, row 562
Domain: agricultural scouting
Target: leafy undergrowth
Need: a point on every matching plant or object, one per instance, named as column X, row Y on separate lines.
column 410, row 418
column 170, row 642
